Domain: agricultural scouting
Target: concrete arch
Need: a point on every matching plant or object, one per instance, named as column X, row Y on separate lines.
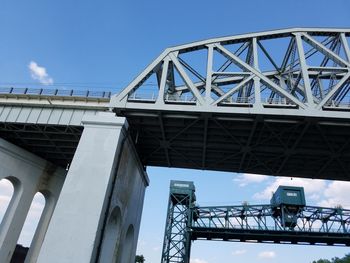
column 40, row 232
column 33, row 217
column 16, row 182
column 16, row 193
column 29, row 175
column 17, row 187
column 111, row 238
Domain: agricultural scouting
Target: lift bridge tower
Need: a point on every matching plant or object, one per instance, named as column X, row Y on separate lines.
column 286, row 220
column 177, row 239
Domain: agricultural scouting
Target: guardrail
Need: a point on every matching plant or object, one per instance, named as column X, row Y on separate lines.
column 335, row 104
column 56, row 92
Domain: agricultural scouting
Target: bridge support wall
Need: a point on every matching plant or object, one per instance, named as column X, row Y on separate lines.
column 29, row 174
column 98, row 213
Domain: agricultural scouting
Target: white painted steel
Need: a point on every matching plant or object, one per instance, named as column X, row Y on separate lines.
column 292, row 83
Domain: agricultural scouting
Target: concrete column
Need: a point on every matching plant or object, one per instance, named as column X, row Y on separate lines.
column 50, row 187
column 74, row 233
column 13, row 220
column 26, row 171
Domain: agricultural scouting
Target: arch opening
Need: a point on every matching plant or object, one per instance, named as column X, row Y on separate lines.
column 127, row 246
column 111, row 237
column 32, row 220
column 7, row 189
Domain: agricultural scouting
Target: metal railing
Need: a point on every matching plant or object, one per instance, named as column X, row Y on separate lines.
column 336, row 104
column 137, row 96
column 56, row 92
column 278, row 101
column 239, row 100
column 183, row 98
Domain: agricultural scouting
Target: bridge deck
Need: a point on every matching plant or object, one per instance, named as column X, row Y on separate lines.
column 47, row 122
column 313, row 147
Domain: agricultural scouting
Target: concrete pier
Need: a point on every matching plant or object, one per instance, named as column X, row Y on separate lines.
column 99, row 209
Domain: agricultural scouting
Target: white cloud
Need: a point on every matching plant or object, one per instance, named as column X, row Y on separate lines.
column 267, row 254
column 39, row 73
column 197, row 260
column 312, row 187
column 239, row 252
column 245, row 179
column 336, row 193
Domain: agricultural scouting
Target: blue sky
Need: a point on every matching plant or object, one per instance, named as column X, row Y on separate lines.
column 105, row 44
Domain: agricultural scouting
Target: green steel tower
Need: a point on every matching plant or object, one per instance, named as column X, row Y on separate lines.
column 177, row 240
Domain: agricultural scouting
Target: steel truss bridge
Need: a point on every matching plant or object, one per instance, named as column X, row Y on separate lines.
column 275, row 103
column 187, row 222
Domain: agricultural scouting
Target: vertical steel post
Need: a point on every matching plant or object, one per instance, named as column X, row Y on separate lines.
column 304, row 71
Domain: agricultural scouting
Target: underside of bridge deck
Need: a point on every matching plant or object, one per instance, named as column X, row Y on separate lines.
column 272, row 145
column 55, row 143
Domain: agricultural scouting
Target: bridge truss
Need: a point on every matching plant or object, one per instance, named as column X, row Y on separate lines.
column 306, row 69
column 259, row 223
column 187, row 222
column 274, row 103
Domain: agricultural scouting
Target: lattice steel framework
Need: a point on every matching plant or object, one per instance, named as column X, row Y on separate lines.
column 249, row 223
column 261, row 223
column 177, row 246
column 304, row 69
